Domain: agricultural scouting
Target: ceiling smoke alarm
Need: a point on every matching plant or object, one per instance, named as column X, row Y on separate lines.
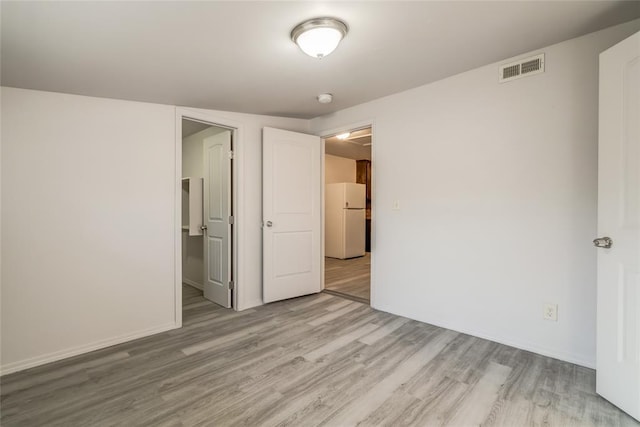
column 325, row 98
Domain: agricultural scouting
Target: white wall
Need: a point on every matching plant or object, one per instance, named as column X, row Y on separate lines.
column 88, row 231
column 496, row 184
column 339, row 169
column 497, row 188
column 192, row 246
column 87, row 223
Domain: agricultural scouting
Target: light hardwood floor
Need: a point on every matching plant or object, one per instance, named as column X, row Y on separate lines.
column 316, row 360
column 349, row 277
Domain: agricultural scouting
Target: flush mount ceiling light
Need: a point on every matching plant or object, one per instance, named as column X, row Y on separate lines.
column 343, row 136
column 319, row 37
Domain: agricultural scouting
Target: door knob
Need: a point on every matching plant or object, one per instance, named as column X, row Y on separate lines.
column 203, row 227
column 268, row 223
column 603, row 242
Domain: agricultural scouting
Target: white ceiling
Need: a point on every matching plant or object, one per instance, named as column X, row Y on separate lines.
column 237, row 56
column 357, row 146
column 190, row 127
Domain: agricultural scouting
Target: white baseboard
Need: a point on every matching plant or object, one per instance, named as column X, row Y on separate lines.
column 192, row 283
column 522, row 345
column 75, row 351
column 250, row 304
column 565, row 357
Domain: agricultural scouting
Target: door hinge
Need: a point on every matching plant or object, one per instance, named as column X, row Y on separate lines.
column 231, row 220
column 231, row 284
column 231, row 154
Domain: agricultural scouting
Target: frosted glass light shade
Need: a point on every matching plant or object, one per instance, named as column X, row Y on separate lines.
column 319, row 42
column 319, row 37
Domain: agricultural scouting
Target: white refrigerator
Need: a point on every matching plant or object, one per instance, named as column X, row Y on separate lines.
column 345, row 225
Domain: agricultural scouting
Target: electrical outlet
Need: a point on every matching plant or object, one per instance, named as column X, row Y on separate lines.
column 550, row 312
column 396, row 205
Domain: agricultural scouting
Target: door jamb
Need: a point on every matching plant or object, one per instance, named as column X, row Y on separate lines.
column 238, row 214
column 335, row 131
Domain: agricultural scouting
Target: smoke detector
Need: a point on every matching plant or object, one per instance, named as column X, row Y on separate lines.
column 325, row 98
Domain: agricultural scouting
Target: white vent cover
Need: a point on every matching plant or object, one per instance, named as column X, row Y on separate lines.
column 522, row 68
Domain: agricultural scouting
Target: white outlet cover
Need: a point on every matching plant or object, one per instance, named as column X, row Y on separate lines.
column 550, row 312
column 396, row 205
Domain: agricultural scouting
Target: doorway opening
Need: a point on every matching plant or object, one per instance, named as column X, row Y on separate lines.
column 348, row 214
column 207, row 225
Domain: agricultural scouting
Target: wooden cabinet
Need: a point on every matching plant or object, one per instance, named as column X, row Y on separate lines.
column 363, row 176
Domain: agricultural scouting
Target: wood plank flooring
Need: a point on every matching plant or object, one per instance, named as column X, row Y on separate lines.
column 313, row 361
column 349, row 277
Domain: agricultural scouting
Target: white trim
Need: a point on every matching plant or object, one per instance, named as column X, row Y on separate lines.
column 193, row 283
column 238, row 303
column 251, row 304
column 348, row 128
column 522, row 345
column 527, row 346
column 75, row 351
column 322, row 213
column 177, row 225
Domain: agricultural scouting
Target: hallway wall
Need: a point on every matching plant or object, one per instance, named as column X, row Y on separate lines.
column 339, row 169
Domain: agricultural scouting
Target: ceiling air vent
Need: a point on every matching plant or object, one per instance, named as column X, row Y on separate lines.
column 522, row 68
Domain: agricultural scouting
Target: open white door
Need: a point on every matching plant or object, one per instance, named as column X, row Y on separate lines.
column 217, row 218
column 291, row 212
column 618, row 346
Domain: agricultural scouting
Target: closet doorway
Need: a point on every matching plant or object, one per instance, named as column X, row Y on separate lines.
column 348, row 214
column 207, row 215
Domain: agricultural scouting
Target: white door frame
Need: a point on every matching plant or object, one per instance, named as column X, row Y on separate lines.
column 236, row 208
column 335, row 131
